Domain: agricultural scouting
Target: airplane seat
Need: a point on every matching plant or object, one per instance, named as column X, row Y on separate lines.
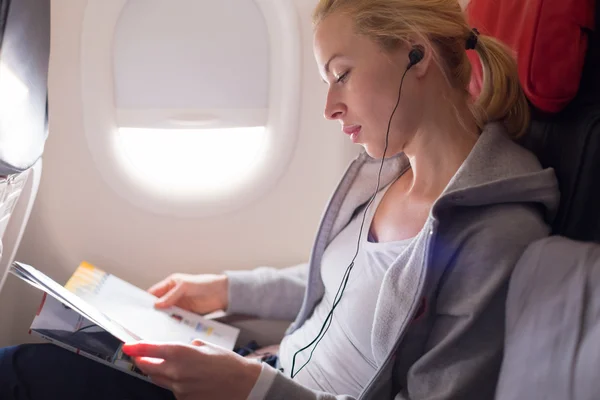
column 569, row 141
column 558, row 60
column 552, row 345
column 24, row 60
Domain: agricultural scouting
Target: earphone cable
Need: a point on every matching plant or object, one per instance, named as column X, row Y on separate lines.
column 346, row 276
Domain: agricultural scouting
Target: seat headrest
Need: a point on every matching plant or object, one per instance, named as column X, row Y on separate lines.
column 24, row 58
column 569, row 142
column 550, row 39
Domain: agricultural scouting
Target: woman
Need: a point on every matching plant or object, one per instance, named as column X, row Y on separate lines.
column 417, row 273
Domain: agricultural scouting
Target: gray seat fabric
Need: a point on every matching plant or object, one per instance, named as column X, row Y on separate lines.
column 553, row 324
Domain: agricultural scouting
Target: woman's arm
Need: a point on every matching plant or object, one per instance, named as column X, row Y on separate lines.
column 267, row 293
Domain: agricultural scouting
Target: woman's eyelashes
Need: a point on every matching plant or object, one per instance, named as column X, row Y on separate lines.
column 342, row 78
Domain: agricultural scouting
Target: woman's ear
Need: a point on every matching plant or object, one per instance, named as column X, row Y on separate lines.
column 415, row 56
column 422, row 53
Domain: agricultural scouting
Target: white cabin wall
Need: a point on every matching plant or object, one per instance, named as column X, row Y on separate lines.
column 78, row 216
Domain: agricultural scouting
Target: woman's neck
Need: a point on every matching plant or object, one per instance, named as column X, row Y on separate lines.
column 439, row 148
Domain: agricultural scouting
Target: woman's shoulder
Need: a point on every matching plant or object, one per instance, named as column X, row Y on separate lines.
column 503, row 222
column 499, row 177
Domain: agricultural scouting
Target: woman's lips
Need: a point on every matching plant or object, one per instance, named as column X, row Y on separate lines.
column 353, row 131
column 349, row 130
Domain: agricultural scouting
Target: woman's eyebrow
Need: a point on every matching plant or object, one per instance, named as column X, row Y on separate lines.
column 326, row 68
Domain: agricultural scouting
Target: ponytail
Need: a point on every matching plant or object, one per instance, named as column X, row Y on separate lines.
column 501, row 98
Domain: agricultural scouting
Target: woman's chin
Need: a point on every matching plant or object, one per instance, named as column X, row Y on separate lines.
column 377, row 153
column 373, row 153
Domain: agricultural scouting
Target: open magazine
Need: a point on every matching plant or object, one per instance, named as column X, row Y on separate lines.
column 96, row 312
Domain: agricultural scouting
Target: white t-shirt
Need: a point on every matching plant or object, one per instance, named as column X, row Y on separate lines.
column 343, row 361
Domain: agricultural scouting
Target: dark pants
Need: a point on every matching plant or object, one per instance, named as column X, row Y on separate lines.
column 46, row 371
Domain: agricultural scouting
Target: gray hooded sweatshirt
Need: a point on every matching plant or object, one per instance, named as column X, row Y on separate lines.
column 438, row 325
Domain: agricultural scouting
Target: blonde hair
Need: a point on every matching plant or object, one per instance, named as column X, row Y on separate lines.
column 443, row 24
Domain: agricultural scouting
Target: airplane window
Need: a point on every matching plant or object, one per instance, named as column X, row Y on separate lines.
column 191, row 105
column 169, row 80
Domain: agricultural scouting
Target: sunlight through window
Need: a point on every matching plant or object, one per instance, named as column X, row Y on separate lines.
column 189, row 162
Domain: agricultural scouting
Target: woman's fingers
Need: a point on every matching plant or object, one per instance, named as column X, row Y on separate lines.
column 162, row 287
column 171, row 297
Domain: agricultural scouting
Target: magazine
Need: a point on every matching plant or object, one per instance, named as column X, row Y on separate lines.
column 95, row 313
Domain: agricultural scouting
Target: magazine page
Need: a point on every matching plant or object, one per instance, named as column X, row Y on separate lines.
column 46, row 284
column 66, row 328
column 133, row 308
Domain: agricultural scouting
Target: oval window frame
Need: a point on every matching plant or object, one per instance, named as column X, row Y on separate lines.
column 100, row 114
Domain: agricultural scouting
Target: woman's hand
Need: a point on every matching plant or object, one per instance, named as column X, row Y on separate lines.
column 197, row 371
column 200, row 294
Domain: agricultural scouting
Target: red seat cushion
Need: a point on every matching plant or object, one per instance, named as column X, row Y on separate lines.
column 550, row 38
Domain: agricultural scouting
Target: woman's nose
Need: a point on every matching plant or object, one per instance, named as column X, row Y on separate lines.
column 334, row 109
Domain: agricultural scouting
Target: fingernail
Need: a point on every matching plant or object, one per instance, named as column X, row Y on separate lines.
column 127, row 348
